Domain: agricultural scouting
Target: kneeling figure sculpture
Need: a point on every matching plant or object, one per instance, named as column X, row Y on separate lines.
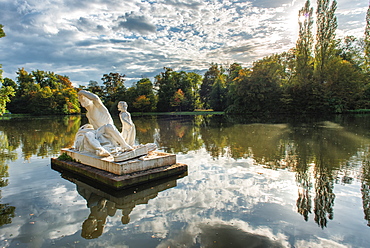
column 101, row 136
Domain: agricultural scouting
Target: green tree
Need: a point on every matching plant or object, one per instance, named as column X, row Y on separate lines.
column 142, row 103
column 10, row 82
column 350, row 49
column 113, row 86
column 258, row 90
column 232, row 74
column 166, row 87
column 326, row 25
column 169, row 82
column 303, row 94
column 238, row 91
column 195, row 80
column 40, row 78
column 94, row 87
column 209, row 80
column 26, row 82
column 41, row 92
column 178, row 99
column 217, row 98
column 303, row 49
column 2, row 33
column 367, row 41
column 26, row 88
column 113, row 90
column 140, row 97
column 366, row 97
column 345, row 86
column 6, row 92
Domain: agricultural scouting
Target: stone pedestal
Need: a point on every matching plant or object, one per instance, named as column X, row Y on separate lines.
column 145, row 162
column 118, row 175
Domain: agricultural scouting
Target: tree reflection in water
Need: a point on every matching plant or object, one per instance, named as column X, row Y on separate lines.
column 317, row 151
column 34, row 136
column 324, row 196
column 40, row 136
column 6, row 153
column 320, row 153
column 365, row 190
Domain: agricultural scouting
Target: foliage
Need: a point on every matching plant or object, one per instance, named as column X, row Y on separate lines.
column 367, row 41
column 259, row 89
column 209, row 80
column 169, row 82
column 345, row 85
column 5, row 93
column 95, row 88
column 113, row 90
column 178, row 99
column 140, row 97
column 303, row 49
column 326, row 25
column 217, row 97
column 114, row 86
column 65, row 157
column 142, row 103
column 10, row 82
column 350, row 49
column 2, row 33
column 42, row 92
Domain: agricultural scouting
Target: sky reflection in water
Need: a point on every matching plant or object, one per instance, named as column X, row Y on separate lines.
column 250, row 181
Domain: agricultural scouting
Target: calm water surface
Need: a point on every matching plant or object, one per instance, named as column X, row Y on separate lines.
column 251, row 183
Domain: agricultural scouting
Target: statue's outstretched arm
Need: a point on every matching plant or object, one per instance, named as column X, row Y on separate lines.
column 89, row 95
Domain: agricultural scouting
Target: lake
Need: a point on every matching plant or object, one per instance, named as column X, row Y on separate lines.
column 251, row 182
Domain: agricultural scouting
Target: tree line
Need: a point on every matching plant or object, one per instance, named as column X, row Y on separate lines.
column 321, row 74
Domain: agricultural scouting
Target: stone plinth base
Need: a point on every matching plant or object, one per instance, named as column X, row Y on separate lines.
column 118, row 181
column 118, row 175
column 153, row 160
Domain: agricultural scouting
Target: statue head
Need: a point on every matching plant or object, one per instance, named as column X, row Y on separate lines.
column 122, row 106
column 85, row 102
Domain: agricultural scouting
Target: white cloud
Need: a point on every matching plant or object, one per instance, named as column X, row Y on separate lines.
column 183, row 34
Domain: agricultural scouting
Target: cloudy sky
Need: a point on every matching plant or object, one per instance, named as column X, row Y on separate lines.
column 87, row 38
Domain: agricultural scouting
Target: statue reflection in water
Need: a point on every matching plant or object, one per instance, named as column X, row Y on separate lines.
column 100, row 208
column 103, row 204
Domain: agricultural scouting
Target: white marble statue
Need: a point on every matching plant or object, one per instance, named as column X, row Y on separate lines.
column 100, row 135
column 128, row 127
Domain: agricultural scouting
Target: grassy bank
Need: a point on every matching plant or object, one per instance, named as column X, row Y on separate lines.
column 359, row 111
column 201, row 112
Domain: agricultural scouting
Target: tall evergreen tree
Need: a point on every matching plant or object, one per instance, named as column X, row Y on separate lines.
column 303, row 50
column 326, row 23
column 302, row 94
column 367, row 41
